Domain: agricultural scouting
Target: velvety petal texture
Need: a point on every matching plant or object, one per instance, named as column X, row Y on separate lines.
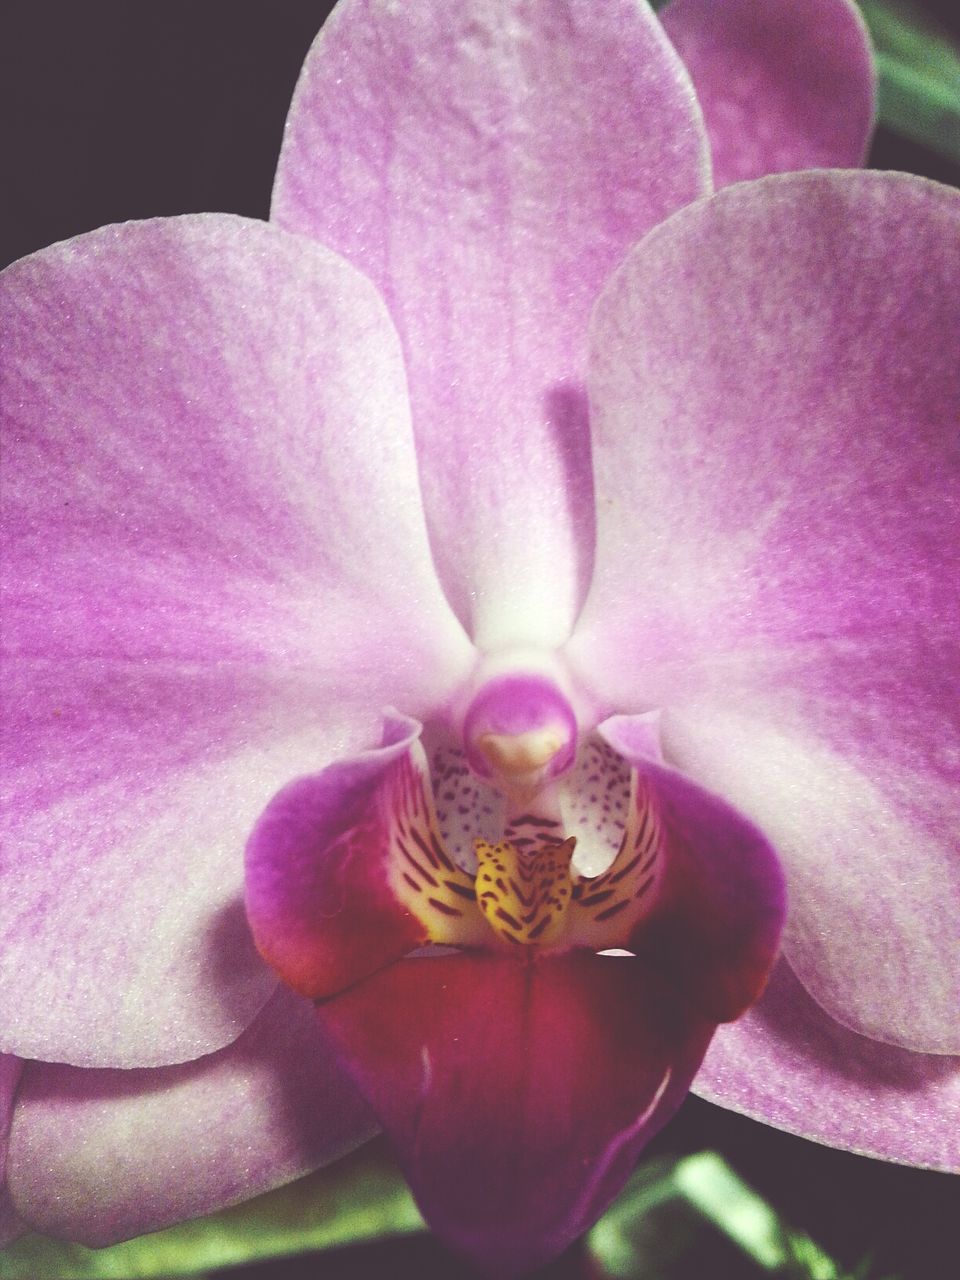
column 774, row 399
column 213, row 533
column 10, row 1069
column 517, row 1094
column 97, row 1156
column 487, row 164
column 787, row 1063
column 784, row 84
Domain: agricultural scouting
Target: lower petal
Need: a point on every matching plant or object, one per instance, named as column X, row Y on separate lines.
column 102, row 1155
column 789, row 1064
column 518, row 1094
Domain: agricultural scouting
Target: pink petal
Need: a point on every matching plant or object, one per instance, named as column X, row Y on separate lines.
column 318, row 895
column 125, row 941
column 97, row 1156
column 487, row 164
column 518, row 1094
column 784, row 84
column 776, row 390
column 207, row 451
column 715, row 924
column 11, row 1224
column 789, row 1064
column 213, row 537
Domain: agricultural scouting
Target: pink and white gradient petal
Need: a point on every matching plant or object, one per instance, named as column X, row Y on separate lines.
column 488, row 164
column 11, row 1224
column 774, row 393
column 518, row 1094
column 784, row 84
column 98, row 1156
column 788, row 1064
column 212, row 529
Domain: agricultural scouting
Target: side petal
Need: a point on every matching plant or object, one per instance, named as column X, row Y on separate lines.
column 212, row 532
column 487, row 164
column 775, row 402
column 102, row 1155
column 696, row 890
column 784, row 84
column 789, row 1064
column 208, row 456
column 11, row 1225
column 518, row 1095
column 345, row 870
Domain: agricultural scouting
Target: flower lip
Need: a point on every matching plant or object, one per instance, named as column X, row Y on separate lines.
column 519, row 727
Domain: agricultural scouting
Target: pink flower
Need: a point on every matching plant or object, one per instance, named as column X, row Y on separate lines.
column 259, row 487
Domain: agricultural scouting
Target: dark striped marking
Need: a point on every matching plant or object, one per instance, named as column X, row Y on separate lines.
column 596, row 898
column 625, row 871
column 644, row 887
column 425, row 849
column 417, row 867
column 443, row 908
column 465, row 891
column 612, row 911
column 538, row 929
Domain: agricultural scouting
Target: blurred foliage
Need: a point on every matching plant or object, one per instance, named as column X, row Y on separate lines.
column 679, row 1219
column 362, row 1197
column 919, row 75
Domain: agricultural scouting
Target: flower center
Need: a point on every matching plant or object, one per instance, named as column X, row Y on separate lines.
column 519, row 734
column 525, row 893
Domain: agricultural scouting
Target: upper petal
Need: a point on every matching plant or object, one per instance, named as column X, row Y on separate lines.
column 207, row 455
column 98, row 1156
column 518, row 1094
column 784, row 84
column 775, row 397
column 213, row 536
column 487, row 164
column 789, row 1064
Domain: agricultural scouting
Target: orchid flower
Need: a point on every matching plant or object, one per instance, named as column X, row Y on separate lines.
column 634, row 504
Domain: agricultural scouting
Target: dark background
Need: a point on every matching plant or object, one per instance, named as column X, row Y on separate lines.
column 117, row 109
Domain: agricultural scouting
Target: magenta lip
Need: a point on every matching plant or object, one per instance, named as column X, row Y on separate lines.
column 516, row 704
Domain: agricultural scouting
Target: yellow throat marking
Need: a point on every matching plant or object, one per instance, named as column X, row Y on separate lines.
column 524, row 895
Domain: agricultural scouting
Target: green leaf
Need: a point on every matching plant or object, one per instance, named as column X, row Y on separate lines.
column 696, row 1216
column 362, row 1197
column 919, row 75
